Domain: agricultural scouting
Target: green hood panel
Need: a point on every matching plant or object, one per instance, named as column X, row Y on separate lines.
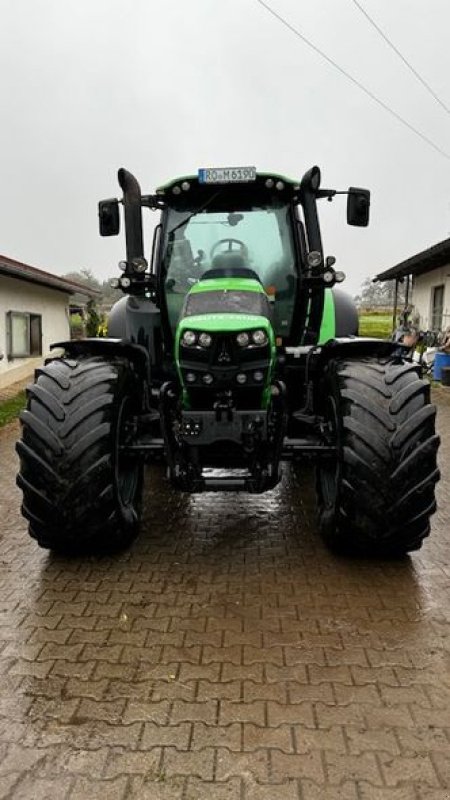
column 328, row 326
column 217, row 318
column 224, row 323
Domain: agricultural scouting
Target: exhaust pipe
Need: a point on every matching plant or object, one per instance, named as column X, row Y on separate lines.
column 309, row 185
column 133, row 214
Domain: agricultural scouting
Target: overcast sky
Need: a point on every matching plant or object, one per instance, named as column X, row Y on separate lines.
column 163, row 87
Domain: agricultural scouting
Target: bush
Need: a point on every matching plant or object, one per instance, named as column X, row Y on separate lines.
column 77, row 329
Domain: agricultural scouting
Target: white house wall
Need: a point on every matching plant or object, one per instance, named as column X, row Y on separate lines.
column 51, row 304
column 421, row 295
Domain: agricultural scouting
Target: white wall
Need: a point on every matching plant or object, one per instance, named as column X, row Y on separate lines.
column 51, row 304
column 422, row 291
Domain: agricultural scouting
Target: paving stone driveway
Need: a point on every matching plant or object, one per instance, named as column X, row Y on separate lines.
column 228, row 656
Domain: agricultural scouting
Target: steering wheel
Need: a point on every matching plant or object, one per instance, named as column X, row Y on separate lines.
column 243, row 249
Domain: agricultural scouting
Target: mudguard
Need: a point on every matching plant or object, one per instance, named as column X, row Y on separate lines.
column 357, row 347
column 109, row 348
column 137, row 320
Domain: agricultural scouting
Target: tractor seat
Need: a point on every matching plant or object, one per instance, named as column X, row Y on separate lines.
column 229, row 259
column 229, row 265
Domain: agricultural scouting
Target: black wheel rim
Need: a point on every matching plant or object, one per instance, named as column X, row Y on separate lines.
column 127, row 466
column 329, row 471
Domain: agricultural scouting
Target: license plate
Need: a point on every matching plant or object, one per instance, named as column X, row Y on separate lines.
column 227, row 175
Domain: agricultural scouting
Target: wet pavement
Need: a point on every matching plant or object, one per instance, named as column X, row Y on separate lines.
column 227, row 655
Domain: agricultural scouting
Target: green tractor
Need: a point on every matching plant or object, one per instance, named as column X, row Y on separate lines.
column 230, row 353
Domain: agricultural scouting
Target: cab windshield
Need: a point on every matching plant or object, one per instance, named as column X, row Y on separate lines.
column 258, row 239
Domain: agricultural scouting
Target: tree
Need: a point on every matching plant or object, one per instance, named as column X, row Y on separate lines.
column 85, row 277
column 380, row 293
column 94, row 319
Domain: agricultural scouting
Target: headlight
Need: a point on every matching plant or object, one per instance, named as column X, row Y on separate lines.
column 243, row 339
column 204, row 340
column 314, row 259
column 125, row 282
column 139, row 264
column 260, row 338
column 189, row 338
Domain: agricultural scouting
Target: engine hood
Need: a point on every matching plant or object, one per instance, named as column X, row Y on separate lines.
column 226, row 304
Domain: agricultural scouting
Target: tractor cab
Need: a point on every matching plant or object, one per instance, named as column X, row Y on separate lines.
column 220, row 231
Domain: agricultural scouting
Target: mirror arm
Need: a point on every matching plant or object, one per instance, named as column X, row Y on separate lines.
column 152, row 201
column 329, row 193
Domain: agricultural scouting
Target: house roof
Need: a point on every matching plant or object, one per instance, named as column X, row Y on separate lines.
column 433, row 257
column 23, row 272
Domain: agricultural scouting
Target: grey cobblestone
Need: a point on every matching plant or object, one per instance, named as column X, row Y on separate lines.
column 227, row 656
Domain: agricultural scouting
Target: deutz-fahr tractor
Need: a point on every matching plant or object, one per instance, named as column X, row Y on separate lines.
column 231, row 352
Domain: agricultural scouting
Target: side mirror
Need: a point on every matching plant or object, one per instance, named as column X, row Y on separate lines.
column 108, row 217
column 358, row 207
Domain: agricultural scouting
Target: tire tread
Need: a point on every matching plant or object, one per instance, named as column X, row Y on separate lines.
column 66, row 456
column 388, row 467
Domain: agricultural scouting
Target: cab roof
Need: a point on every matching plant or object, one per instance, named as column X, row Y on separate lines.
column 261, row 177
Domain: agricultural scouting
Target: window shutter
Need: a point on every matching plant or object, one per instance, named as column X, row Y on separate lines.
column 9, row 335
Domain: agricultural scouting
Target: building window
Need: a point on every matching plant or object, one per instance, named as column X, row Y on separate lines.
column 437, row 307
column 24, row 334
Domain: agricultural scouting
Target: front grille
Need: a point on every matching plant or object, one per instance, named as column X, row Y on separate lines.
column 224, row 352
column 224, row 360
column 194, row 354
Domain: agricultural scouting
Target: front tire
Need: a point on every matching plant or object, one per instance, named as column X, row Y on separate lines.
column 80, row 494
column 377, row 496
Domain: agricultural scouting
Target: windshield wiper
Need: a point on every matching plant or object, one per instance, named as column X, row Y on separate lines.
column 194, row 213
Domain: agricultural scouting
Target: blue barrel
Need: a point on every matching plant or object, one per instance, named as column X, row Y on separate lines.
column 440, row 360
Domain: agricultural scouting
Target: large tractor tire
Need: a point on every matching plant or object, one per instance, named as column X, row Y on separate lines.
column 80, row 493
column 377, row 496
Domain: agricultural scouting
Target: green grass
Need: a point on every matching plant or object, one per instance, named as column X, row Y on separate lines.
column 376, row 325
column 10, row 409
